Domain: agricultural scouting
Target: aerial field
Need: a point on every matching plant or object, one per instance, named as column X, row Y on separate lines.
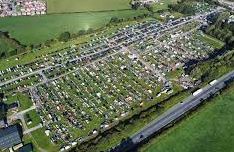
column 37, row 29
column 211, row 129
column 62, row 6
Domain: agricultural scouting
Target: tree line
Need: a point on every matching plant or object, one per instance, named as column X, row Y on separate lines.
column 221, row 29
column 14, row 44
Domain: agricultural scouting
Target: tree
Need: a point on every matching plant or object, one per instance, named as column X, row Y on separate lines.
column 135, row 5
column 81, row 32
column 149, row 7
column 3, row 110
column 114, row 20
column 3, row 55
column 64, row 36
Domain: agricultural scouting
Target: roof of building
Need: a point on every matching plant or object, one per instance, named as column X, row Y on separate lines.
column 10, row 136
column 26, row 148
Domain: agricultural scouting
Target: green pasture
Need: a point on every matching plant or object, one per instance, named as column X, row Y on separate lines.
column 37, row 29
column 65, row 6
column 210, row 129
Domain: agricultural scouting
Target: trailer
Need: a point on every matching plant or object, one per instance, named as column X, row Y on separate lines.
column 213, row 82
column 197, row 92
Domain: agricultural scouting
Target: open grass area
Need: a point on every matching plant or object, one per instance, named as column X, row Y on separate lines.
column 35, row 119
column 61, row 6
column 40, row 141
column 212, row 41
column 23, row 99
column 163, row 4
column 37, row 29
column 210, row 129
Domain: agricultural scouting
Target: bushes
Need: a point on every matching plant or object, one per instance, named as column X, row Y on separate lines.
column 222, row 30
column 182, row 7
column 214, row 68
column 64, row 36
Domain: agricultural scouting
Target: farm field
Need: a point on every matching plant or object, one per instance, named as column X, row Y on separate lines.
column 65, row 6
column 208, row 130
column 35, row 30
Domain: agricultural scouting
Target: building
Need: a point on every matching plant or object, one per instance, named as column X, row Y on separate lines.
column 26, row 148
column 10, row 136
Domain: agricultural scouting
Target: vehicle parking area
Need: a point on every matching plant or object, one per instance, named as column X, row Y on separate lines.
column 81, row 90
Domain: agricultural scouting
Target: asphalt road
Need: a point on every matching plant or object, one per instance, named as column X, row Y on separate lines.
column 174, row 113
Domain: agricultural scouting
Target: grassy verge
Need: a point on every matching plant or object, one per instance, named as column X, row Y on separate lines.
column 210, row 129
column 212, row 41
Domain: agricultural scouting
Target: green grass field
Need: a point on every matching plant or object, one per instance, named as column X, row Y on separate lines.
column 163, row 4
column 37, row 29
column 212, row 41
column 40, row 141
column 64, row 6
column 35, row 118
column 23, row 99
column 210, row 129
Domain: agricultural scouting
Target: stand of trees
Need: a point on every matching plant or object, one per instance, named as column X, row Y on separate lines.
column 2, row 108
column 212, row 69
column 182, row 7
column 186, row 6
column 16, row 47
column 222, row 30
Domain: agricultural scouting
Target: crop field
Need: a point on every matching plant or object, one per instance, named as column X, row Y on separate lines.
column 37, row 29
column 65, row 6
column 208, row 130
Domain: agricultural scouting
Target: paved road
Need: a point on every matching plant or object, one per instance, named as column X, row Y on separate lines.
column 32, row 129
column 227, row 3
column 174, row 113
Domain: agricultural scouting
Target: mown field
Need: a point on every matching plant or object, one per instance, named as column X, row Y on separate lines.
column 210, row 129
column 62, row 6
column 37, row 29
